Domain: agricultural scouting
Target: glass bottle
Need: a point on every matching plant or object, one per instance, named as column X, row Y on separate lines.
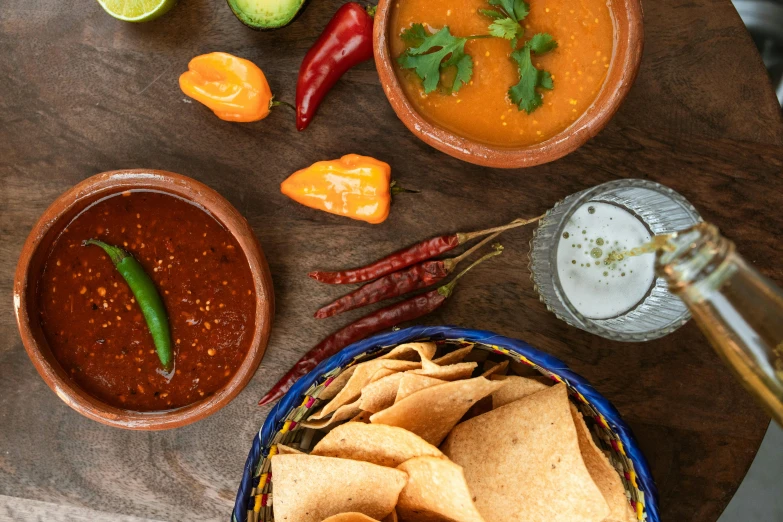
column 738, row 310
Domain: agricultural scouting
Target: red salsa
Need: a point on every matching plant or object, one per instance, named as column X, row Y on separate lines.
column 95, row 327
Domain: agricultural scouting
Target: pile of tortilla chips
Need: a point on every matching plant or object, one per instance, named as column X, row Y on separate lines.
column 411, row 437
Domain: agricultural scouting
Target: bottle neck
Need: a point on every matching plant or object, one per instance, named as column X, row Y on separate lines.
column 699, row 263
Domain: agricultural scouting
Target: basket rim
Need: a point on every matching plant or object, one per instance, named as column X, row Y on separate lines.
column 375, row 343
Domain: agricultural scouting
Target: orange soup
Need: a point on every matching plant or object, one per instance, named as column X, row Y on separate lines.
column 482, row 109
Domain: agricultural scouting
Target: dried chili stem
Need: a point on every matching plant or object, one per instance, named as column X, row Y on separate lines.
column 464, row 237
column 448, row 288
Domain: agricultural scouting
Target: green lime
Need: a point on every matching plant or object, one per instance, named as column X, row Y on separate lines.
column 137, row 10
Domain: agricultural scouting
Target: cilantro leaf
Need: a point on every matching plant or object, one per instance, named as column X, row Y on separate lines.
column 427, row 58
column 492, row 13
column 506, row 28
column 524, row 94
column 541, row 43
column 545, row 80
column 464, row 67
column 515, row 9
column 414, row 35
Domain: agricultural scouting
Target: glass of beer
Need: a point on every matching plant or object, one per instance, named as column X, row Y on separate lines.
column 583, row 269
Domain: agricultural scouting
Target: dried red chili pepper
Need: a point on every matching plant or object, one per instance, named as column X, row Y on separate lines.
column 377, row 321
column 406, row 257
column 398, row 283
column 346, row 41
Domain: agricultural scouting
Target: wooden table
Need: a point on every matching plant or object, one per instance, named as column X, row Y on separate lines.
column 81, row 93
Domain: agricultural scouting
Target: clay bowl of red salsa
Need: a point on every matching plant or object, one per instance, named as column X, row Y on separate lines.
column 86, row 334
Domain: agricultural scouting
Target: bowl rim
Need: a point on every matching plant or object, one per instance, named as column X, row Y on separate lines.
column 626, row 55
column 293, row 398
column 207, row 199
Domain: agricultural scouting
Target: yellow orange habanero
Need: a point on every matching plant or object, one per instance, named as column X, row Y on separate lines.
column 354, row 186
column 234, row 89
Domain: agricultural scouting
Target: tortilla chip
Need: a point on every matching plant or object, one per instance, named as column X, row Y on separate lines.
column 516, row 388
column 480, row 408
column 408, row 351
column 309, row 488
column 494, row 369
column 452, row 372
column 436, row 491
column 282, row 449
column 603, row 473
column 362, row 376
column 380, row 394
column 337, row 384
column 391, row 517
column 453, row 357
column 350, row 517
column 410, row 383
column 343, row 413
column 376, row 443
column 432, row 412
column 364, row 416
column 522, row 462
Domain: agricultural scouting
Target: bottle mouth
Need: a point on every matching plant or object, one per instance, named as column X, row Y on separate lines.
column 695, row 254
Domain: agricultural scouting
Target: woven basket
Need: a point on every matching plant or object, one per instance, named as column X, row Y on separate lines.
column 254, row 498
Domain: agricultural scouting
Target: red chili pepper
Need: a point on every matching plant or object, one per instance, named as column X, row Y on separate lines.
column 391, row 263
column 377, row 321
column 346, row 41
column 406, row 257
column 398, row 283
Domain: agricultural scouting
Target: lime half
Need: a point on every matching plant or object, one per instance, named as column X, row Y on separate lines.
column 137, row 10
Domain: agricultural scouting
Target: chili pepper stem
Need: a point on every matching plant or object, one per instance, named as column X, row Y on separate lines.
column 447, row 289
column 465, row 237
column 115, row 254
column 275, row 103
column 396, row 189
column 450, row 264
column 371, row 9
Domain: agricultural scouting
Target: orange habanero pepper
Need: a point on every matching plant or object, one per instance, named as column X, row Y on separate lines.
column 354, row 186
column 234, row 88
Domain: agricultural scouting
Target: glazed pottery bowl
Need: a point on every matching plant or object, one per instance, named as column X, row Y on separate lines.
column 623, row 68
column 30, row 268
column 255, row 497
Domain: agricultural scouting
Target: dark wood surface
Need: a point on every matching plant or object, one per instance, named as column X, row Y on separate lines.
column 81, row 93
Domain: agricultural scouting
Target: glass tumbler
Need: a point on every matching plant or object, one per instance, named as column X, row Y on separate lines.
column 661, row 210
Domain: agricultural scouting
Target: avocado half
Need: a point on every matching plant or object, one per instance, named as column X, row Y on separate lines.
column 266, row 14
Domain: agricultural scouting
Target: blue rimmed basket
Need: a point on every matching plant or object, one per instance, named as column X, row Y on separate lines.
column 253, row 501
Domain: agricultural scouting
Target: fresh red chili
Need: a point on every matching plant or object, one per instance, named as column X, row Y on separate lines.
column 406, row 257
column 374, row 322
column 398, row 283
column 346, row 41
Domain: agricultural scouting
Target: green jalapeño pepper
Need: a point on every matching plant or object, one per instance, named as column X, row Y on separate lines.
column 148, row 298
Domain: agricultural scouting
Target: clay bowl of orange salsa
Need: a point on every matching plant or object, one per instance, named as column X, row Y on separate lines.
column 592, row 69
column 84, row 330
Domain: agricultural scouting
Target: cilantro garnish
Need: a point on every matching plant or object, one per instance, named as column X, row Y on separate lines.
column 515, row 9
column 524, row 94
column 507, row 18
column 506, row 28
column 430, row 53
column 433, row 52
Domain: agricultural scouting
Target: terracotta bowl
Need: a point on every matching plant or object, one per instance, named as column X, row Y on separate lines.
column 626, row 56
column 30, row 268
